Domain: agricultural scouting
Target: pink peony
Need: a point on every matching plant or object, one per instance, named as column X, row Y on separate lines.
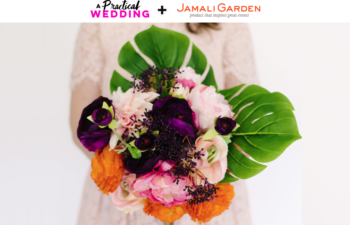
column 127, row 105
column 125, row 200
column 159, row 186
column 188, row 78
column 207, row 105
column 213, row 164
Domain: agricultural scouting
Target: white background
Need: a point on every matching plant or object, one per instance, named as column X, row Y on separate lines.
column 42, row 172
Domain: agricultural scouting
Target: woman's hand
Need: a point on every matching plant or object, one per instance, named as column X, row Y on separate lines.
column 82, row 95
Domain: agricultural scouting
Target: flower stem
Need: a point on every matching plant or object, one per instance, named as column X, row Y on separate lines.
column 166, row 223
column 120, row 138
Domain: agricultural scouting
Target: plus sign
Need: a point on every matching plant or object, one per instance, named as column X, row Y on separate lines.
column 161, row 10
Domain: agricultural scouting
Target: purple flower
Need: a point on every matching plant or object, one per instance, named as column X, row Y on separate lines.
column 177, row 113
column 146, row 141
column 102, row 116
column 145, row 164
column 90, row 134
column 224, row 125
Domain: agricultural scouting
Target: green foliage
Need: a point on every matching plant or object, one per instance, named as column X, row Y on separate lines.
column 228, row 93
column 119, row 81
column 267, row 128
column 135, row 153
column 198, row 61
column 166, row 48
column 228, row 179
column 210, row 79
column 131, row 61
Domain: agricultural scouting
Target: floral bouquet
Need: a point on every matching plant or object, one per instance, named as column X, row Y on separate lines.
column 169, row 141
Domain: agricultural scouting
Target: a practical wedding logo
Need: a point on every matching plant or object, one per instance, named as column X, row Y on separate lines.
column 108, row 9
column 219, row 10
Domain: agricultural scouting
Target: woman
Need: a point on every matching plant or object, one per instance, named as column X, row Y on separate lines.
column 228, row 49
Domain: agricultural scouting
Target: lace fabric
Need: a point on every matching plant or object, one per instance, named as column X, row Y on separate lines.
column 229, row 51
column 88, row 56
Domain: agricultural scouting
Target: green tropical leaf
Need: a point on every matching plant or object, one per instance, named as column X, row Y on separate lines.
column 228, row 178
column 119, row 81
column 228, row 93
column 198, row 61
column 165, row 48
column 240, row 165
column 210, row 79
column 131, row 61
column 267, row 127
column 248, row 95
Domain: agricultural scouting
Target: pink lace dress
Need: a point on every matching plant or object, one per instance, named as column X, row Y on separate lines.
column 229, row 50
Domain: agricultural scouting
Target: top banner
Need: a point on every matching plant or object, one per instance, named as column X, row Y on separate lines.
column 173, row 11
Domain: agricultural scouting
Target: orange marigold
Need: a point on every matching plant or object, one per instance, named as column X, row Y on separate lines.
column 107, row 170
column 163, row 213
column 205, row 211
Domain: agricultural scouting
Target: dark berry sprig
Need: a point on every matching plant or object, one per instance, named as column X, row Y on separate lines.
column 202, row 193
column 156, row 79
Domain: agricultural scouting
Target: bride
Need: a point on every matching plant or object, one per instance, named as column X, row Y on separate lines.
column 228, row 49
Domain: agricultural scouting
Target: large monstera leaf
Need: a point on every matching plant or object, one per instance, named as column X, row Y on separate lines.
column 267, row 128
column 267, row 123
column 165, row 48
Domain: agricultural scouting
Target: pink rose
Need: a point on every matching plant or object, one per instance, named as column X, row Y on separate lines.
column 159, row 186
column 124, row 199
column 207, row 105
column 188, row 78
column 213, row 164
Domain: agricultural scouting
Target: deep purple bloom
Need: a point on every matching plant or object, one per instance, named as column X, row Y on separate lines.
column 143, row 165
column 102, row 117
column 224, row 125
column 146, row 141
column 177, row 113
column 90, row 134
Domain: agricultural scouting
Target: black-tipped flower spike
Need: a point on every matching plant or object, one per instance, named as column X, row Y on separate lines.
column 224, row 125
column 146, row 141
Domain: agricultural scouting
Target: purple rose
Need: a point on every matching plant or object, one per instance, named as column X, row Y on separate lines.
column 143, row 165
column 146, row 141
column 177, row 113
column 90, row 134
column 224, row 125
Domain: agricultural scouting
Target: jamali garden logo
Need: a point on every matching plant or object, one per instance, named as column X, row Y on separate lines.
column 107, row 9
column 220, row 8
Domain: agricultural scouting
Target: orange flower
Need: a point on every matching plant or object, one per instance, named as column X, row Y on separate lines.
column 205, row 211
column 107, row 170
column 164, row 214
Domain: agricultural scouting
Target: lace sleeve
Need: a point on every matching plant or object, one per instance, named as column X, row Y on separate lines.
column 238, row 63
column 88, row 56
